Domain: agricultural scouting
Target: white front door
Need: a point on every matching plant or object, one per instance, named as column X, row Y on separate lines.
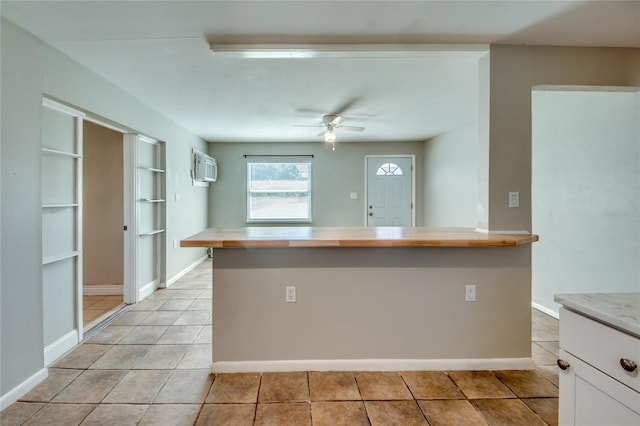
column 389, row 191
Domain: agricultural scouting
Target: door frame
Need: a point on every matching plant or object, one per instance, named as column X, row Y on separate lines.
column 413, row 183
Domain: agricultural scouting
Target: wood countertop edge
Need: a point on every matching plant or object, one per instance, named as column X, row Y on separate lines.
column 516, row 240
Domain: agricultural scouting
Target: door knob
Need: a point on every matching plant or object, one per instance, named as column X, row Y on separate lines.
column 563, row 364
column 370, row 213
column 370, row 207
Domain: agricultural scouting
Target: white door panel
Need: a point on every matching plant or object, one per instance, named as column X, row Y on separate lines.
column 389, row 191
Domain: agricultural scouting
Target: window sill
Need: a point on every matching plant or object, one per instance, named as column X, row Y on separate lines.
column 278, row 221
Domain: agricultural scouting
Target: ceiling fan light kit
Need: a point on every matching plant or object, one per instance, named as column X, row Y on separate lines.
column 331, row 122
column 330, row 137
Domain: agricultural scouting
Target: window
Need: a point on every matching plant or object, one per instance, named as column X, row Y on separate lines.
column 278, row 192
column 389, row 169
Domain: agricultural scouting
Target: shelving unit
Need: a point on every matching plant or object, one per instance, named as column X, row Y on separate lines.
column 151, row 213
column 61, row 173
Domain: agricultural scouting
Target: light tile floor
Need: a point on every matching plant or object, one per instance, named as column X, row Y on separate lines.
column 150, row 366
column 96, row 309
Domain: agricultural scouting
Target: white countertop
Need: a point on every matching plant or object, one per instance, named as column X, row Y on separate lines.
column 620, row 310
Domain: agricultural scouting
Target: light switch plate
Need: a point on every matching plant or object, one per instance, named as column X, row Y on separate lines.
column 514, row 199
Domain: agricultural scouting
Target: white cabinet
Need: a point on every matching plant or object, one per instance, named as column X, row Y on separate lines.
column 595, row 389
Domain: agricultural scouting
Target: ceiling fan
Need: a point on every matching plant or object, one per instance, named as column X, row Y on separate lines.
column 331, row 122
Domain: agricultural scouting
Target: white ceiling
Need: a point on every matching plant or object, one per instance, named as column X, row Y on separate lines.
column 159, row 52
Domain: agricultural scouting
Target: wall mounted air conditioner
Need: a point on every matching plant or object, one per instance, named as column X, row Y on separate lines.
column 205, row 168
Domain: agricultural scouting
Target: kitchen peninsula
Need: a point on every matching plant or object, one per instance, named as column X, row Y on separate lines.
column 385, row 298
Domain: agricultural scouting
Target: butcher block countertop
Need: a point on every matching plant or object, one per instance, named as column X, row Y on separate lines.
column 306, row 236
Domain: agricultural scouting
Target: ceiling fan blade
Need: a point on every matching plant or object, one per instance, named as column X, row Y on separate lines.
column 351, row 128
column 311, row 111
column 308, row 125
column 347, row 106
column 321, row 133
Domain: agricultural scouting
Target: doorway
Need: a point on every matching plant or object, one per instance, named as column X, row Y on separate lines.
column 103, row 213
column 390, row 190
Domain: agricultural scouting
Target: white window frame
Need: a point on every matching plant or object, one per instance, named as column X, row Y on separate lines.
column 308, row 219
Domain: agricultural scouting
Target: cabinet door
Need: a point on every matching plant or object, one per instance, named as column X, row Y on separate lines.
column 591, row 398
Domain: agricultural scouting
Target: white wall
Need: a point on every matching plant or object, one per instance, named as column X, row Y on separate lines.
column 103, row 206
column 31, row 69
column 585, row 192
column 456, row 165
column 451, row 178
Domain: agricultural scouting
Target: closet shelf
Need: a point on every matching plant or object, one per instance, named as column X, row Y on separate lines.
column 154, row 232
column 59, row 205
column 153, row 200
column 63, row 153
column 58, row 257
column 152, row 169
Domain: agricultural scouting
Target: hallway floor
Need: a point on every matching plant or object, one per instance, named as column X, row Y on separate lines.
column 150, row 366
column 96, row 309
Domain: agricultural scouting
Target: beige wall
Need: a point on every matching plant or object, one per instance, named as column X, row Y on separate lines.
column 335, row 174
column 515, row 70
column 398, row 303
column 103, row 215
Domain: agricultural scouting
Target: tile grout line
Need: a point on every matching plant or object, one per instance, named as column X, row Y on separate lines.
column 202, row 405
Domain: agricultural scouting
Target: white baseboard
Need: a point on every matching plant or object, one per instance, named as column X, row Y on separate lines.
column 19, row 391
column 545, row 310
column 186, row 270
column 60, row 347
column 147, row 289
column 102, row 290
column 373, row 365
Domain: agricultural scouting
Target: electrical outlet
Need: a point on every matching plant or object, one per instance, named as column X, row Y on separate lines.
column 290, row 294
column 470, row 293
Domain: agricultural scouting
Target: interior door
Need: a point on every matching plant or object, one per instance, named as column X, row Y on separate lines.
column 389, row 191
